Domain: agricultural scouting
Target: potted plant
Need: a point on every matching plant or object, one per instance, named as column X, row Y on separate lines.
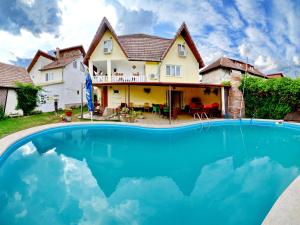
column 68, row 114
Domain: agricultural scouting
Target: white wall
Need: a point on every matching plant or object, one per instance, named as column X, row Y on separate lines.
column 216, row 76
column 66, row 91
column 35, row 72
column 11, row 103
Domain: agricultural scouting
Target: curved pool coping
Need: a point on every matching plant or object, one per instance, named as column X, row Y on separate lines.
column 284, row 211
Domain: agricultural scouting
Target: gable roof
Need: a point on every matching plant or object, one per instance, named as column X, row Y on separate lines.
column 63, row 61
column 104, row 25
column 143, row 47
column 59, row 63
column 36, row 57
column 275, row 75
column 10, row 74
column 184, row 32
column 229, row 63
column 77, row 47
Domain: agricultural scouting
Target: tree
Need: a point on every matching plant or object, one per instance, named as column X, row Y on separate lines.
column 27, row 95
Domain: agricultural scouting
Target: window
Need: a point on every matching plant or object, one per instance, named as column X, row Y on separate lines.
column 107, row 46
column 173, row 70
column 75, row 64
column 49, row 76
column 181, row 50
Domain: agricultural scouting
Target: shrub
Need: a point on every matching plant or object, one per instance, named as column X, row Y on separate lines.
column 272, row 98
column 2, row 113
column 27, row 95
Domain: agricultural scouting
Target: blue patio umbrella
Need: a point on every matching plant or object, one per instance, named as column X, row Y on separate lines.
column 89, row 92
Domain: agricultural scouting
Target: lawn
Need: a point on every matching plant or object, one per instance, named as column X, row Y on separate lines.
column 11, row 125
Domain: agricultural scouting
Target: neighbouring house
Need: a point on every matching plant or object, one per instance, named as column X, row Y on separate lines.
column 275, row 75
column 9, row 75
column 60, row 77
column 143, row 71
column 230, row 70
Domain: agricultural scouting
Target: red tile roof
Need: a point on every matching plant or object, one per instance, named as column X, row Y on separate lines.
column 36, row 57
column 69, row 49
column 10, row 74
column 275, row 75
column 143, row 47
column 229, row 63
column 59, row 63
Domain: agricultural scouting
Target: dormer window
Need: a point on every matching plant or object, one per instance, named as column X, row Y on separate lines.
column 107, row 46
column 181, row 50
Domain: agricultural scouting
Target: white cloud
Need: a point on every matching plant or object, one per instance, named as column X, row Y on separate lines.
column 296, row 60
column 79, row 24
column 265, row 63
column 252, row 11
column 244, row 50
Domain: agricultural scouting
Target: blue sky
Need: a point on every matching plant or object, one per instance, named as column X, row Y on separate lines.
column 267, row 32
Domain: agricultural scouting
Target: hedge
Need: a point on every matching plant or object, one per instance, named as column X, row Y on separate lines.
column 270, row 98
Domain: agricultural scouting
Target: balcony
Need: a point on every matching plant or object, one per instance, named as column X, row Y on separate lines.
column 119, row 78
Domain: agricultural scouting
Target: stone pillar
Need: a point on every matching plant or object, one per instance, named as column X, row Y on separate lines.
column 235, row 99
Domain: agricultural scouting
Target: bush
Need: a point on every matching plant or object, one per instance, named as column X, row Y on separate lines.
column 272, row 98
column 27, row 95
column 2, row 113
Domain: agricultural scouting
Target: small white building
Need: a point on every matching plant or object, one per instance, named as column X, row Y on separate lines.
column 230, row 70
column 61, row 77
column 9, row 75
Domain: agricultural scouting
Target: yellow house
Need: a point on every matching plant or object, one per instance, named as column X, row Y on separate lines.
column 141, row 69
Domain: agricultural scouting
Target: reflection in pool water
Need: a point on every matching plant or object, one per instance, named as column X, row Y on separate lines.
column 114, row 175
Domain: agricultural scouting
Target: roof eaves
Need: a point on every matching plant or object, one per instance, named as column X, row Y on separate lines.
column 104, row 25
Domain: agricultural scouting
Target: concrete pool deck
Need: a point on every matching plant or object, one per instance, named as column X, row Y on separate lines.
column 286, row 209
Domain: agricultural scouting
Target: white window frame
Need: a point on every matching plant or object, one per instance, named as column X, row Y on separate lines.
column 173, row 70
column 181, row 47
column 49, row 77
column 109, row 45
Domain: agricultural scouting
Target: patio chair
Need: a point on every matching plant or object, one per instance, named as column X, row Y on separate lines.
column 155, row 109
column 146, row 107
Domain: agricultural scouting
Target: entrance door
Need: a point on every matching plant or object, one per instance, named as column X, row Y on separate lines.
column 176, row 99
column 104, row 96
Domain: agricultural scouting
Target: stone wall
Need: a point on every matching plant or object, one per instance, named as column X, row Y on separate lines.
column 3, row 96
column 235, row 98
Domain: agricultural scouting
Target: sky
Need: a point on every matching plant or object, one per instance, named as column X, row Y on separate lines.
column 264, row 32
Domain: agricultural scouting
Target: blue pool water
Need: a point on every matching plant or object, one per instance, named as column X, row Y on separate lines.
column 222, row 173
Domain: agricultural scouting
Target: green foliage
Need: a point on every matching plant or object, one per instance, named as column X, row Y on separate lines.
column 226, row 83
column 2, row 113
column 27, row 95
column 271, row 98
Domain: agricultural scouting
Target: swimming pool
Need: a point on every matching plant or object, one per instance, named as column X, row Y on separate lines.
column 227, row 172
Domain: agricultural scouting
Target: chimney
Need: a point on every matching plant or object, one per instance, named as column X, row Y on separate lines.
column 57, row 53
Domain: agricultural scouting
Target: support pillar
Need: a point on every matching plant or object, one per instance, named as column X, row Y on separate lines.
column 170, row 103
column 128, row 96
column 108, row 69
column 223, row 103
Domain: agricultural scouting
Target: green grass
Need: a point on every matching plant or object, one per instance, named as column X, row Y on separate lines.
column 11, row 125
